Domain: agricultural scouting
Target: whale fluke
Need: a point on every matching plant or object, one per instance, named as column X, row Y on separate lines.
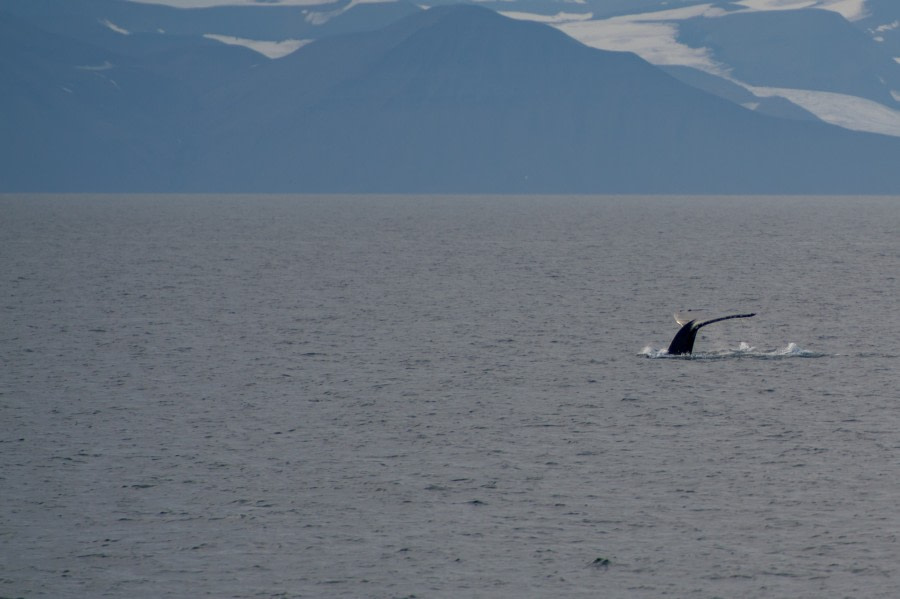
column 683, row 343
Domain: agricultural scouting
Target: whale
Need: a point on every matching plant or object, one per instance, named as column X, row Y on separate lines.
column 683, row 343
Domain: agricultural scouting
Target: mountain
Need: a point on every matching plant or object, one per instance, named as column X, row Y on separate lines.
column 735, row 92
column 67, row 123
column 833, row 59
column 77, row 116
column 881, row 21
column 806, row 49
column 452, row 99
column 156, row 23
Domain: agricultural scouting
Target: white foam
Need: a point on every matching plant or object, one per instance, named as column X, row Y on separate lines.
column 743, row 350
column 652, row 352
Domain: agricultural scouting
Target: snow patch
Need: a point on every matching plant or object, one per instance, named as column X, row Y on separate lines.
column 268, row 49
column 849, row 112
column 100, row 67
column 654, row 41
column 654, row 37
column 113, row 27
column 558, row 18
column 852, row 10
column 679, row 14
column 322, row 17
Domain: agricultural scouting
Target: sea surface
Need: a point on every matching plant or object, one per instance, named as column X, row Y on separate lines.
column 444, row 397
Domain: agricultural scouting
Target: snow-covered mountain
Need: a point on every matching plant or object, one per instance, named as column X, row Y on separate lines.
column 450, row 99
column 834, row 60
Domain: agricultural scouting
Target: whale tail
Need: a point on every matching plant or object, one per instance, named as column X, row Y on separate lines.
column 683, row 343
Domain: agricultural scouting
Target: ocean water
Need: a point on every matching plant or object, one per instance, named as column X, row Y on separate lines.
column 379, row 397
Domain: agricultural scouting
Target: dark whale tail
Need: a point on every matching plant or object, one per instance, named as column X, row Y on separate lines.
column 683, row 343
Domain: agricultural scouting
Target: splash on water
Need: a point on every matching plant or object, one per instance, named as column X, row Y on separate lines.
column 743, row 350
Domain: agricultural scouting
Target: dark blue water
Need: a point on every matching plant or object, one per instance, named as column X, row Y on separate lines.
column 448, row 397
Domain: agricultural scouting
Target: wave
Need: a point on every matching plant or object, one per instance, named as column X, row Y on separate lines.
column 744, row 350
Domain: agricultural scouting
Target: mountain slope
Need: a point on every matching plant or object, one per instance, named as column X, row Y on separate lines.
column 833, row 59
column 78, row 116
column 805, row 49
column 78, row 19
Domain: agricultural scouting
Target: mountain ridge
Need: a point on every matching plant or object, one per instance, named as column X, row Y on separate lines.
column 442, row 101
